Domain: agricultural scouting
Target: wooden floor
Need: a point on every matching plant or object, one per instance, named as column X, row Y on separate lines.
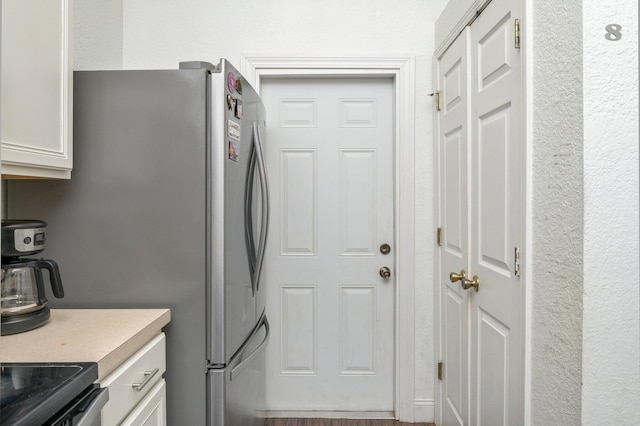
column 339, row 422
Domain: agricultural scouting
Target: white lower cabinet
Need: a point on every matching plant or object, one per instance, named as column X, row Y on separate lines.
column 137, row 391
column 152, row 410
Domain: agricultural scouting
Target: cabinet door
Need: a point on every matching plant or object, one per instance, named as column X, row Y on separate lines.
column 152, row 410
column 36, row 88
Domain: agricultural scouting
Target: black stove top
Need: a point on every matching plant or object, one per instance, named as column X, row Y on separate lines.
column 31, row 393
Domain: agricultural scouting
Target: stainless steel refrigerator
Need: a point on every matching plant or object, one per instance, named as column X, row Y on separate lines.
column 168, row 207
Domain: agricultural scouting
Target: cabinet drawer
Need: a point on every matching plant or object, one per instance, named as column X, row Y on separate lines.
column 130, row 382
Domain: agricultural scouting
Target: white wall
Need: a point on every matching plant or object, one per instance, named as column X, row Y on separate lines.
column 97, row 31
column 611, row 358
column 161, row 33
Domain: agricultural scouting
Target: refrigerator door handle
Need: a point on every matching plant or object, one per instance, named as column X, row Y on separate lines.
column 246, row 361
column 264, row 190
column 248, row 218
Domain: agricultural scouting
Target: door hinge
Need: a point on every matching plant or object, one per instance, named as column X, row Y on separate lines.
column 440, row 370
column 516, row 267
column 517, row 33
column 439, row 237
column 436, row 98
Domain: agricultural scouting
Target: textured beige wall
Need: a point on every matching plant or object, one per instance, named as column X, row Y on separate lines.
column 611, row 337
column 557, row 213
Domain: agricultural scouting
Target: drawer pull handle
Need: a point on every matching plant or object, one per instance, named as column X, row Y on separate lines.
column 148, row 375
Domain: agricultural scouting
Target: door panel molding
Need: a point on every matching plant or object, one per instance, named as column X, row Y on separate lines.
column 402, row 70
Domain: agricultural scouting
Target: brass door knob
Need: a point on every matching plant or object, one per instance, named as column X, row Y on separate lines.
column 464, row 281
column 385, row 272
column 457, row 277
column 467, row 284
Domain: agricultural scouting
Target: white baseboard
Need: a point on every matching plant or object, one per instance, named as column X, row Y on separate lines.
column 331, row 414
column 424, row 410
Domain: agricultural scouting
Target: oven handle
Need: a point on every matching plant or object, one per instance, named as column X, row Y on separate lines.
column 93, row 411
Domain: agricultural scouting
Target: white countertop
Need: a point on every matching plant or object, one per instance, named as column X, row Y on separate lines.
column 105, row 336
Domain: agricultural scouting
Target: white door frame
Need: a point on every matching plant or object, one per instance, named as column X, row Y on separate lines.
column 402, row 71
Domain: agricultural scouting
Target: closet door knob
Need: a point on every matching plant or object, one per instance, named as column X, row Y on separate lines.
column 457, row 277
column 467, row 284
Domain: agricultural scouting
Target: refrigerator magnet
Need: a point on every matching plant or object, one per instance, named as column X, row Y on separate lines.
column 238, row 112
column 233, row 130
column 239, row 86
column 231, row 103
column 231, row 82
column 233, row 151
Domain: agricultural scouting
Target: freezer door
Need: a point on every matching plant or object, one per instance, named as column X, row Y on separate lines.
column 236, row 394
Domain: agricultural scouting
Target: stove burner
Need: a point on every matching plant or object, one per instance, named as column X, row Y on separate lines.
column 30, row 393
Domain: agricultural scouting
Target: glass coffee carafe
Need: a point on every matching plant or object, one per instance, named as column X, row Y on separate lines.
column 22, row 288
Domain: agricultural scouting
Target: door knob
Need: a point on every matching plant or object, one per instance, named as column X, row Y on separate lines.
column 457, row 277
column 385, row 272
column 467, row 284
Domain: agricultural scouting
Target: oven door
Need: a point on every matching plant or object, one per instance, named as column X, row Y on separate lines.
column 85, row 410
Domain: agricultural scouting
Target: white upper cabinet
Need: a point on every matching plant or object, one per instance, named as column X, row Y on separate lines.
column 37, row 88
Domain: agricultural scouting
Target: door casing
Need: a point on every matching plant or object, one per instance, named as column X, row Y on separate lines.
column 402, row 70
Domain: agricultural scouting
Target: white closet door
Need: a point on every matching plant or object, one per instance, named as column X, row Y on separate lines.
column 481, row 184
column 453, row 79
column 497, row 225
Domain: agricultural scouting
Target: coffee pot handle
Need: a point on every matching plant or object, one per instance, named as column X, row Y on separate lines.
column 54, row 274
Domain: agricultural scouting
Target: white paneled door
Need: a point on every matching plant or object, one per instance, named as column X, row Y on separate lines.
column 497, row 218
column 481, row 141
column 330, row 163
column 454, row 220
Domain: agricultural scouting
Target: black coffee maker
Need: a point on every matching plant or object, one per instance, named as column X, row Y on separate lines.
column 22, row 297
